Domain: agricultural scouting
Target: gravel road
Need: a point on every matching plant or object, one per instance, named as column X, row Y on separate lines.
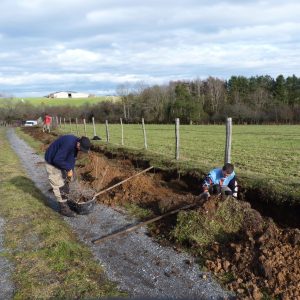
column 135, row 262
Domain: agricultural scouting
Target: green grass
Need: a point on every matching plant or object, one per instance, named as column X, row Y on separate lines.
column 37, row 101
column 137, row 211
column 197, row 227
column 49, row 262
column 35, row 144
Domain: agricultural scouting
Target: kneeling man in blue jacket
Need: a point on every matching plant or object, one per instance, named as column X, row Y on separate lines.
column 60, row 162
column 220, row 181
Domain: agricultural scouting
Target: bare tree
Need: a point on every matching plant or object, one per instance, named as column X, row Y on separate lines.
column 215, row 93
column 123, row 91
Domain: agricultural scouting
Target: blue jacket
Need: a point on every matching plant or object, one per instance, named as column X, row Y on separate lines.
column 215, row 176
column 62, row 152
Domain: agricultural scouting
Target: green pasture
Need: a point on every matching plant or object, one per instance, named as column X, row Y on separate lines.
column 57, row 102
column 270, row 152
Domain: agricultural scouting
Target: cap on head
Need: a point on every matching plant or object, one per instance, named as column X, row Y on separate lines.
column 85, row 144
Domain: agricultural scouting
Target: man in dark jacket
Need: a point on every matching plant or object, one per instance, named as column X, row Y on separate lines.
column 60, row 162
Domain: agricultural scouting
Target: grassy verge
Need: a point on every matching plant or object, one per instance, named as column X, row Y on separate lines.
column 138, row 212
column 34, row 143
column 49, row 262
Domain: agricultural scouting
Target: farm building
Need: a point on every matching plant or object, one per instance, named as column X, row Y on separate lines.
column 68, row 94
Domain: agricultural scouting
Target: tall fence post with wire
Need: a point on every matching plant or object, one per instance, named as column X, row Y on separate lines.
column 84, row 126
column 96, row 137
column 107, row 131
column 57, row 123
column 122, row 132
column 228, row 140
column 145, row 136
column 177, row 141
column 70, row 121
column 76, row 122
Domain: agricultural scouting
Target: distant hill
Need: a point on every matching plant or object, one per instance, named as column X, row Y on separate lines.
column 57, row 102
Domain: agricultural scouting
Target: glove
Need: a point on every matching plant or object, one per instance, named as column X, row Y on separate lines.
column 70, row 174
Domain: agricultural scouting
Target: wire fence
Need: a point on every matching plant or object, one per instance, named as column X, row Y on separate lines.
column 270, row 150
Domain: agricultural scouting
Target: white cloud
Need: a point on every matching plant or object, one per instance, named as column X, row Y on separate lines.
column 76, row 57
column 46, row 44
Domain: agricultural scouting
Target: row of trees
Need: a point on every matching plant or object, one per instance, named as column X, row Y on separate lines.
column 259, row 99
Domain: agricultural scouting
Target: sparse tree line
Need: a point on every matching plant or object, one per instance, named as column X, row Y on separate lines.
column 254, row 100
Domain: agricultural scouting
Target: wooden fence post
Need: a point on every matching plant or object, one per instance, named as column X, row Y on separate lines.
column 122, row 132
column 84, row 126
column 177, row 122
column 70, row 121
column 144, row 132
column 96, row 137
column 228, row 140
column 107, row 131
column 77, row 131
column 94, row 128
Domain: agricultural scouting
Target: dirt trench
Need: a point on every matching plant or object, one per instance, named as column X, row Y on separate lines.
column 262, row 260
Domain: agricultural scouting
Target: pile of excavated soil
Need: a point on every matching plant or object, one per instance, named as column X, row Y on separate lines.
column 262, row 261
column 147, row 190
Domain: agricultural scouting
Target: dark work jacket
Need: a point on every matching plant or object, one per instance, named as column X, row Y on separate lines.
column 62, row 152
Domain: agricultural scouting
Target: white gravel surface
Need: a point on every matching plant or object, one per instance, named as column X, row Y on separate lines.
column 135, row 262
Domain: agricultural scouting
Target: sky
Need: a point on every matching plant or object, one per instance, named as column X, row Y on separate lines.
column 95, row 46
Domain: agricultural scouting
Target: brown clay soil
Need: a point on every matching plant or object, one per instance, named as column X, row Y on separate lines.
column 263, row 261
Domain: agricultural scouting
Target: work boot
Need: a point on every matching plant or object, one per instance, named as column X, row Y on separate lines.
column 65, row 210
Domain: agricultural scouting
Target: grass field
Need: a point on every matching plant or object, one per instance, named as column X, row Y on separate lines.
column 259, row 151
column 56, row 102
